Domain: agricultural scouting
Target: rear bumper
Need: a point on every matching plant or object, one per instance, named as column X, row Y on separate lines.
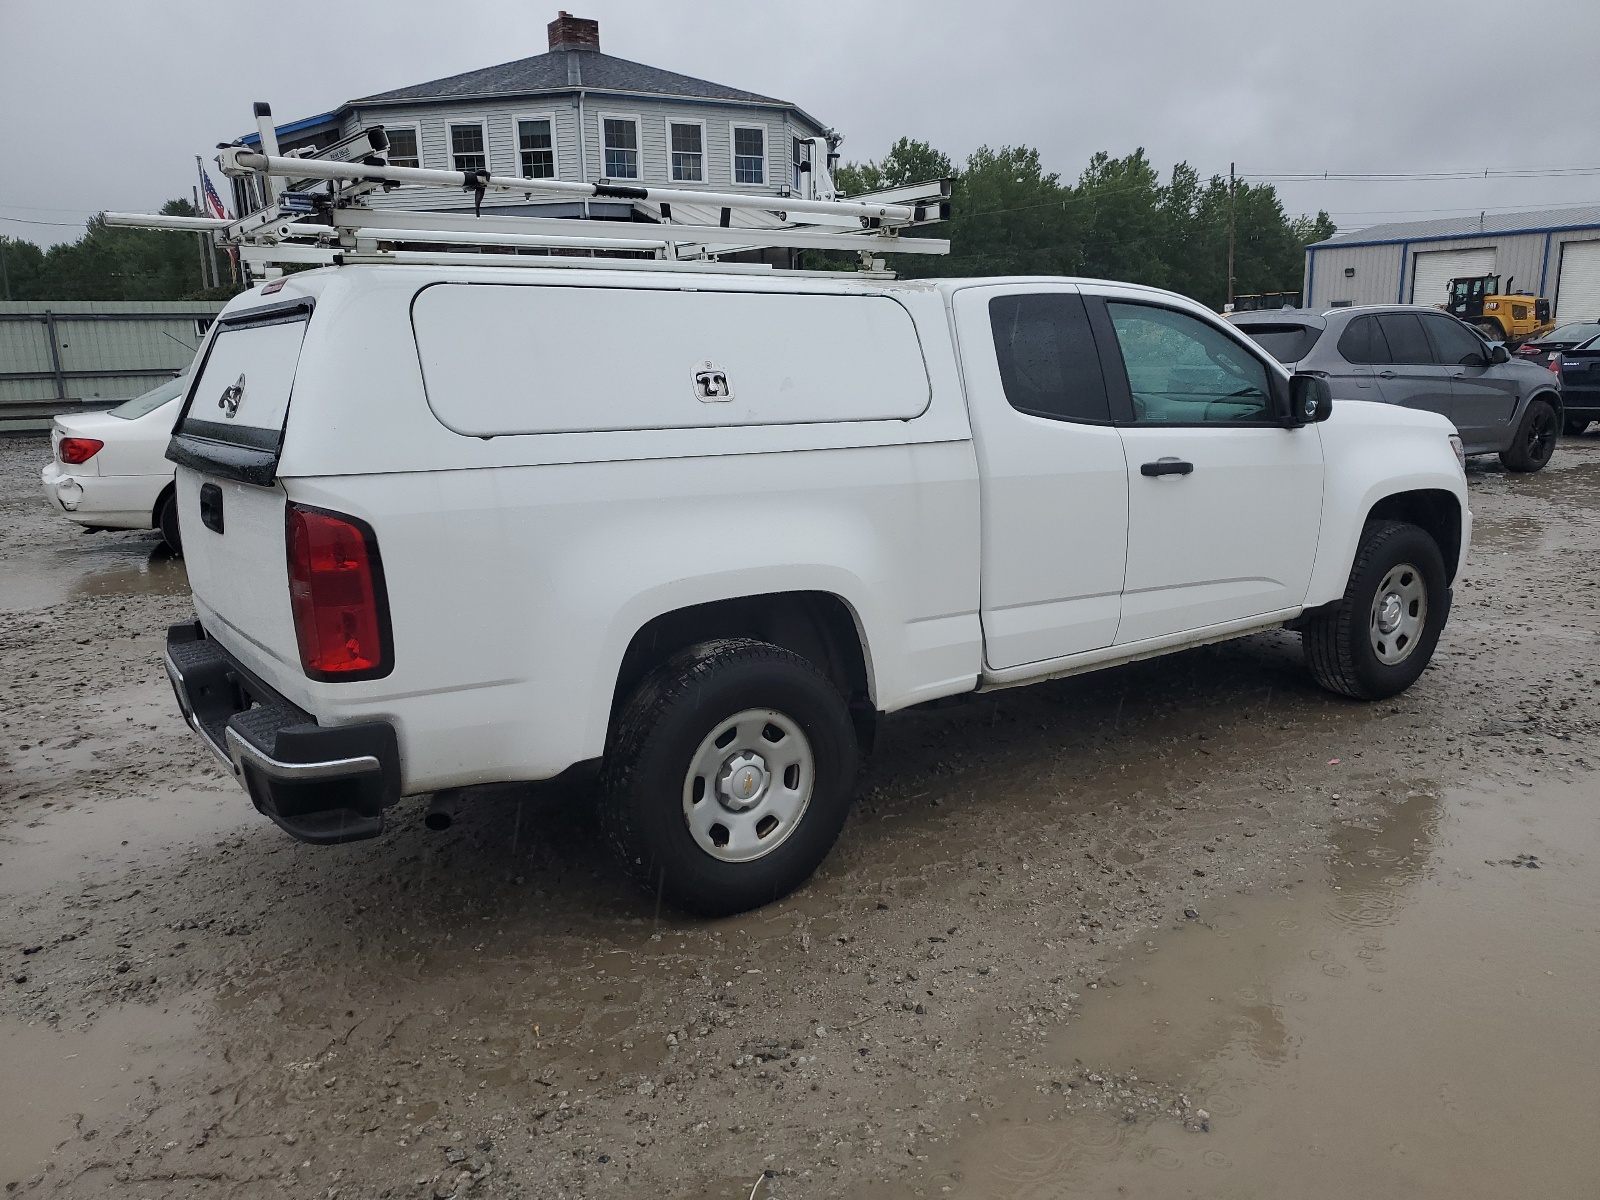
column 320, row 784
column 102, row 501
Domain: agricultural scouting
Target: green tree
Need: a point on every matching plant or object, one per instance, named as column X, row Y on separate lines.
column 908, row 161
column 113, row 263
column 1119, row 221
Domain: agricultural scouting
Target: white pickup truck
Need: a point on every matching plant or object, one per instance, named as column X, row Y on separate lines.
column 457, row 525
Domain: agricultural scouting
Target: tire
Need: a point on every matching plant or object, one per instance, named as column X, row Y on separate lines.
column 668, row 757
column 1348, row 649
column 1576, row 425
column 1535, row 439
column 167, row 522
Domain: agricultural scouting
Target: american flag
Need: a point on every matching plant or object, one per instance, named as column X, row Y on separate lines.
column 213, row 201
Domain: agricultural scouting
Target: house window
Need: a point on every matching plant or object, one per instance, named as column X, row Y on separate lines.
column 403, row 147
column 622, row 147
column 800, row 149
column 536, row 148
column 467, row 150
column 749, row 155
column 688, row 152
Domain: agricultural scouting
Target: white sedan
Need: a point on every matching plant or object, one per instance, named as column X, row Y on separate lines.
column 110, row 469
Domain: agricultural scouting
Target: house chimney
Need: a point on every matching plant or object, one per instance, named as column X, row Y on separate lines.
column 568, row 32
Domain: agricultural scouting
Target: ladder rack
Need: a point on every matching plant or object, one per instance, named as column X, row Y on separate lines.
column 323, row 216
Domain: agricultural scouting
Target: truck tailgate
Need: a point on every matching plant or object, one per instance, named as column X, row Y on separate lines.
column 240, row 576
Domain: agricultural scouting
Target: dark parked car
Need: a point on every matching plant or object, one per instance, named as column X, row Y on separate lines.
column 1540, row 351
column 1580, row 385
column 1423, row 358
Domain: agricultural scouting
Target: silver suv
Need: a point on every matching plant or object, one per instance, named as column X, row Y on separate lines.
column 1422, row 358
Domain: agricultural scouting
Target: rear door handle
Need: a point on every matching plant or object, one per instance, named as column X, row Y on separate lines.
column 1167, row 466
column 1388, row 375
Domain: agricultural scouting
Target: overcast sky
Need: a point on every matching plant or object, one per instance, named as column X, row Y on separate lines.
column 104, row 103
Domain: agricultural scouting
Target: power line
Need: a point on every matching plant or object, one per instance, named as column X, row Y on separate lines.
column 62, row 224
column 1403, row 176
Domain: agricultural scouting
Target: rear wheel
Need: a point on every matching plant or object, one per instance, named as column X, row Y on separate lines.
column 728, row 776
column 167, row 522
column 1382, row 634
column 1576, row 425
column 1535, row 439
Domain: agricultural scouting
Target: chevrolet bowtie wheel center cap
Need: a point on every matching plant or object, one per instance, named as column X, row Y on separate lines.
column 1390, row 612
column 743, row 781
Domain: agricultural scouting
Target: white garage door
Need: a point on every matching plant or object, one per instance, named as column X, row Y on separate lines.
column 1578, row 291
column 1434, row 269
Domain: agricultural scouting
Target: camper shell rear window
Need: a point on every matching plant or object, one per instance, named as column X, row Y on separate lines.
column 232, row 421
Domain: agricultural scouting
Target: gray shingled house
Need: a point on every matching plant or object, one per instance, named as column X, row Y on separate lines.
column 573, row 113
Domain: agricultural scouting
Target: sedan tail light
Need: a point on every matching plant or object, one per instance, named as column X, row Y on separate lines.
column 75, row 450
column 336, row 591
column 1555, row 363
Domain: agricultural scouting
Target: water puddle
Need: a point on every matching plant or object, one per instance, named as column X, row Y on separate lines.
column 1415, row 1019
column 60, row 1084
column 45, row 845
column 93, row 565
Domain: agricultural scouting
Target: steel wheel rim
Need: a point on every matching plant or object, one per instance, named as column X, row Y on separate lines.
column 1541, row 436
column 748, row 785
column 1399, row 612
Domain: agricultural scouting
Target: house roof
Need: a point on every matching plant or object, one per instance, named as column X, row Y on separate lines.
column 566, row 70
column 1531, row 220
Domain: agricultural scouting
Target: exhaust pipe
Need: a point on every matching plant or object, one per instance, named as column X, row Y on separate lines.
column 438, row 817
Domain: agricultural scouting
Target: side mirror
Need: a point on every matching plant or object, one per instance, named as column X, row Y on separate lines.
column 1310, row 399
column 1498, row 353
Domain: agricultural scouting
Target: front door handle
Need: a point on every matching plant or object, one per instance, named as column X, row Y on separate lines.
column 1167, row 466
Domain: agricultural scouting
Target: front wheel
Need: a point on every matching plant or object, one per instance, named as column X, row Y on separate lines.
column 1576, row 425
column 728, row 776
column 1381, row 635
column 1535, row 439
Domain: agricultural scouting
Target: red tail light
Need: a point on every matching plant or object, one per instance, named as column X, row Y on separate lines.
column 341, row 610
column 1555, row 363
column 78, row 450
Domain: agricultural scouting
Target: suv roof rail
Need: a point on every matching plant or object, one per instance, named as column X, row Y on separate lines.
column 322, row 215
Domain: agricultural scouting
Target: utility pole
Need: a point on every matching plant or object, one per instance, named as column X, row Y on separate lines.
column 1232, row 183
column 5, row 277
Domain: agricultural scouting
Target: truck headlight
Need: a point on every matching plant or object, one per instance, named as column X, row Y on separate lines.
column 1461, row 454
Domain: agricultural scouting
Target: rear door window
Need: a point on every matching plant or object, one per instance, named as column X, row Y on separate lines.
column 1363, row 342
column 1408, row 343
column 1287, row 343
column 1049, row 365
column 232, row 423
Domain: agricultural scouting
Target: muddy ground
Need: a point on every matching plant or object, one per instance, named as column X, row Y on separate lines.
column 1188, row 927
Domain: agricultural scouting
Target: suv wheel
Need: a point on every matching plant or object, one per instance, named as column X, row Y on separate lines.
column 1380, row 637
column 1576, row 425
column 1535, row 439
column 728, row 776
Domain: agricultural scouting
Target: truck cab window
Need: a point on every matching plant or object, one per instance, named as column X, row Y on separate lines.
column 1048, row 363
column 1181, row 371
